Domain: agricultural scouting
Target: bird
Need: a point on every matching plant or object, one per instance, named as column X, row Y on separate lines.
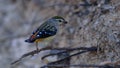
column 46, row 30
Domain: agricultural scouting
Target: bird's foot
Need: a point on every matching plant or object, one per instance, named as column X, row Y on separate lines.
column 37, row 49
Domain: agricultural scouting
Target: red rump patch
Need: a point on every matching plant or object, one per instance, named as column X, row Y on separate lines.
column 34, row 36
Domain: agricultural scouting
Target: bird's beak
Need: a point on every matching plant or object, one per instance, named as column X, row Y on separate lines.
column 65, row 22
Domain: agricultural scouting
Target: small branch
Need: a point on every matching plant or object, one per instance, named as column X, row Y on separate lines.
column 25, row 55
column 82, row 65
column 32, row 53
column 78, row 48
column 72, row 49
column 78, row 65
column 53, row 54
column 67, row 57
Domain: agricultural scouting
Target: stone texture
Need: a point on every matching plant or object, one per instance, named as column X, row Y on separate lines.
column 95, row 25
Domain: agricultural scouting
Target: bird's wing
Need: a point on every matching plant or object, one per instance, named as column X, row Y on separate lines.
column 43, row 31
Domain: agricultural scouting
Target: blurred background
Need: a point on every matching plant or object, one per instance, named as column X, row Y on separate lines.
column 91, row 23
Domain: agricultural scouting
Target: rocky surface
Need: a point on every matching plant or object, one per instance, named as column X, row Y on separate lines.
column 91, row 23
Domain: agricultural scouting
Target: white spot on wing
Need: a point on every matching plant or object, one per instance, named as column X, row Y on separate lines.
column 40, row 32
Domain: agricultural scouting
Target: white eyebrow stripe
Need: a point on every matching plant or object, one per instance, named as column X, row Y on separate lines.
column 60, row 19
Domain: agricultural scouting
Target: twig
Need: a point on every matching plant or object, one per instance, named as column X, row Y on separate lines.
column 67, row 57
column 82, row 65
column 72, row 49
column 32, row 53
column 53, row 54
column 77, row 65
column 77, row 48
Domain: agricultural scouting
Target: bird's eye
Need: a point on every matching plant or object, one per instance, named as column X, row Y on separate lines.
column 60, row 20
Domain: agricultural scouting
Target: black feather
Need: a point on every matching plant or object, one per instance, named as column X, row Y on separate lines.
column 42, row 33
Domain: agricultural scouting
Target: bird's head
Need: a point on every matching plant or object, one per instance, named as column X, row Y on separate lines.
column 59, row 20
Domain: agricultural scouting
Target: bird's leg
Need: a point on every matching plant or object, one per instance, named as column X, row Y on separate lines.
column 37, row 46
